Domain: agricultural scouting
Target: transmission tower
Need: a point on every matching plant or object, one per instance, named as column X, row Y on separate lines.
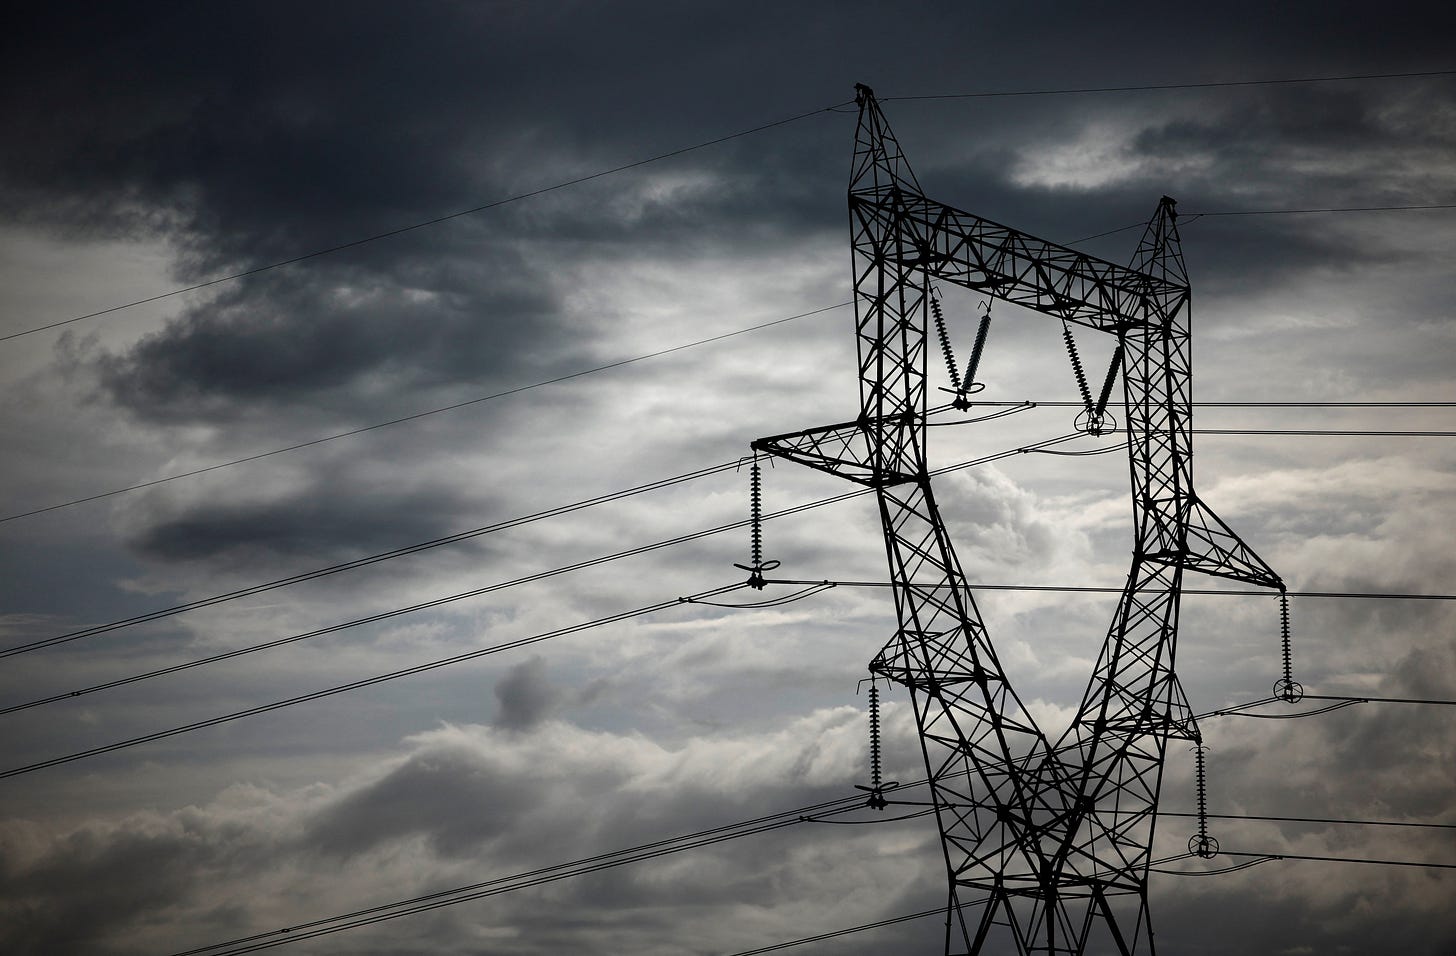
column 1046, row 845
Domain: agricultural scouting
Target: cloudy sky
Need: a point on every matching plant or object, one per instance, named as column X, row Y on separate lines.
column 150, row 147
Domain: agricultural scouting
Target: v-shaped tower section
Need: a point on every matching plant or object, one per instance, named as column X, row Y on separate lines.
column 1047, row 844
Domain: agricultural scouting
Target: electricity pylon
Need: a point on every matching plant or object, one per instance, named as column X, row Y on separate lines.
column 1047, row 846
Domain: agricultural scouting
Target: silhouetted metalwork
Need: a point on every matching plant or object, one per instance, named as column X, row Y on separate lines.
column 1046, row 845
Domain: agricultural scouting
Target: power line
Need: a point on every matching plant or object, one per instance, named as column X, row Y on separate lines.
column 375, row 618
column 1289, row 212
column 1207, row 404
column 1090, row 589
column 161, row 613
column 1173, row 86
column 428, row 222
column 1381, row 700
column 773, row 821
column 398, row 612
column 474, row 891
column 1307, row 432
column 939, row 910
column 365, row 682
column 678, row 348
column 377, row 558
column 424, row 414
column 1363, row 823
column 513, row 522
column 1257, row 858
column 746, row 132
column 577, row 566
column 470, row 655
column 1340, row 859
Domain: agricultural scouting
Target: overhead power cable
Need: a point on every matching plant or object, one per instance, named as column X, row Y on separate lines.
column 1091, row 589
column 410, row 609
column 1292, row 212
column 1308, row 432
column 381, row 616
column 364, row 682
column 470, row 655
column 507, row 884
column 367, row 560
column 593, row 562
column 1146, row 87
column 629, row 361
column 1208, row 404
column 863, row 927
column 1257, row 858
column 401, row 230
column 1342, row 822
column 475, row 532
column 418, row 415
column 355, row 919
column 1340, row 859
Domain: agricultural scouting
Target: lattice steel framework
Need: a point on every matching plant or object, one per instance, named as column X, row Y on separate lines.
column 1047, row 845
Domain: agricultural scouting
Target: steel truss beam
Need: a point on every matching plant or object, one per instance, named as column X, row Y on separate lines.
column 1048, row 845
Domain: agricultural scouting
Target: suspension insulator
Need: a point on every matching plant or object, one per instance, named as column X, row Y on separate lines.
column 755, row 508
column 875, row 735
column 1287, row 688
column 1077, row 366
column 877, row 785
column 1112, row 368
column 976, row 350
column 756, row 564
column 1201, row 844
column 950, row 364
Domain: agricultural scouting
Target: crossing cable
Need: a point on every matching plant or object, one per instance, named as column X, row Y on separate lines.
column 937, row 911
column 731, row 136
column 433, row 222
column 474, row 532
column 1207, row 404
column 638, row 358
column 1174, row 86
column 399, row 612
column 1090, row 589
column 216, row 599
column 450, row 599
column 474, row 891
column 1258, row 858
column 418, row 415
column 365, row 561
column 364, row 682
column 499, row 885
column 470, row 655
column 592, row 562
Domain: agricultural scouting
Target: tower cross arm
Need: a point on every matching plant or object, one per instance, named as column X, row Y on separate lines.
column 959, row 247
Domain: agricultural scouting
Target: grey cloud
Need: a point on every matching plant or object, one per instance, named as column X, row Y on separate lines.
column 525, row 697
column 361, row 340
column 308, row 523
column 455, row 797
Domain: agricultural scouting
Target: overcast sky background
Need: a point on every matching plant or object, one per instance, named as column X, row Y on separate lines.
column 151, row 146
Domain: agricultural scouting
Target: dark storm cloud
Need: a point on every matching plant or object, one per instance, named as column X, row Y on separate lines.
column 289, row 340
column 236, row 135
column 307, row 521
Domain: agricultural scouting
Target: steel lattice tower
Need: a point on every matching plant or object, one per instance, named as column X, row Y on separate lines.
column 1047, row 845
